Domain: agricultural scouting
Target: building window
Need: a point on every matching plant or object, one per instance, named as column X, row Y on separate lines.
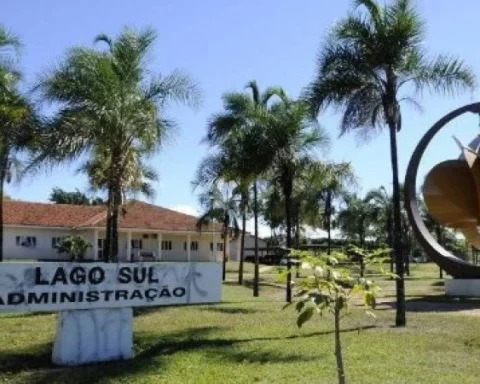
column 166, row 245
column 211, row 247
column 193, row 246
column 100, row 243
column 220, row 247
column 145, row 236
column 56, row 242
column 136, row 244
column 26, row 241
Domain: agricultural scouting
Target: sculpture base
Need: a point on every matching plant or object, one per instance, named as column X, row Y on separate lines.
column 462, row 287
column 93, row 335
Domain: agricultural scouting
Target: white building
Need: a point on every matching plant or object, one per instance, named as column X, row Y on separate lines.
column 235, row 246
column 146, row 232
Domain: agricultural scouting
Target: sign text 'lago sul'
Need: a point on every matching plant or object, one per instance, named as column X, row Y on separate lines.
column 64, row 286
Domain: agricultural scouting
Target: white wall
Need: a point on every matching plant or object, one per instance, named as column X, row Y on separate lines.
column 234, row 246
column 43, row 249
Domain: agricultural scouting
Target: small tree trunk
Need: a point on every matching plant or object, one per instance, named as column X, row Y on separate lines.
column 242, row 246
column 362, row 268
column 400, row 319
column 338, row 345
column 256, row 276
column 441, row 273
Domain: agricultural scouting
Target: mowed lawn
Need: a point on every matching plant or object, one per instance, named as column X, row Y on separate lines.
column 247, row 340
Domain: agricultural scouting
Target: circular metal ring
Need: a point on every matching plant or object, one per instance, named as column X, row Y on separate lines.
column 451, row 264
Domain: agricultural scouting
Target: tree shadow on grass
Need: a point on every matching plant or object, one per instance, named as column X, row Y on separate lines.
column 436, row 304
column 229, row 310
column 152, row 354
column 38, row 357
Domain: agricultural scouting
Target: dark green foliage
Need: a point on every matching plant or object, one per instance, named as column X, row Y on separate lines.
column 60, row 196
column 74, row 247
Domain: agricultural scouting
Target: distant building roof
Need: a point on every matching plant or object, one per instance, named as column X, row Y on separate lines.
column 133, row 215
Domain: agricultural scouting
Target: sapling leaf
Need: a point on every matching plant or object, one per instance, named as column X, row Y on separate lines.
column 299, row 306
column 305, row 316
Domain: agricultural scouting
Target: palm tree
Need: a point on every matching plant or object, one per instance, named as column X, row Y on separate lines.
column 112, row 109
column 240, row 132
column 370, row 61
column 216, row 168
column 383, row 203
column 356, row 219
column 224, row 209
column 294, row 135
column 331, row 181
column 18, row 118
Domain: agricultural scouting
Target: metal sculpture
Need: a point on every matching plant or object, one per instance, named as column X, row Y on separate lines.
column 452, row 196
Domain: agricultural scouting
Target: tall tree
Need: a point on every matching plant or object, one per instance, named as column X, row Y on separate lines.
column 213, row 170
column 112, row 108
column 223, row 208
column 18, row 119
column 330, row 182
column 294, row 134
column 241, row 133
column 59, row 196
column 356, row 219
column 371, row 60
column 383, row 203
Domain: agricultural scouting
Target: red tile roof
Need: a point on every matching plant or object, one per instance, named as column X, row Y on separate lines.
column 134, row 214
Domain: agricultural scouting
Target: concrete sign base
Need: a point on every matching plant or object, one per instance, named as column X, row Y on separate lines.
column 95, row 335
column 462, row 287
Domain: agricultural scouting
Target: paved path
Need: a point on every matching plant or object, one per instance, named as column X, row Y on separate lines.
column 265, row 268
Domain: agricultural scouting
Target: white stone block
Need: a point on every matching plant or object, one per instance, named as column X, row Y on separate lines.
column 462, row 287
column 93, row 335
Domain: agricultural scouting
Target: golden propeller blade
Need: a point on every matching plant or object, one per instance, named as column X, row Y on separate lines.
column 451, row 196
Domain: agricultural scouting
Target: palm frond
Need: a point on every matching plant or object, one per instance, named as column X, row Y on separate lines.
column 104, row 38
column 253, row 86
column 445, row 75
column 176, row 86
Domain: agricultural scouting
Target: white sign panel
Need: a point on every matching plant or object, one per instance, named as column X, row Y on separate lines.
column 63, row 286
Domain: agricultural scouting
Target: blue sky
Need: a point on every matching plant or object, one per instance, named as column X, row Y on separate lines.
column 224, row 44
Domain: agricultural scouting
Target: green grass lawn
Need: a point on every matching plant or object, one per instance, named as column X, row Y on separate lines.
column 246, row 340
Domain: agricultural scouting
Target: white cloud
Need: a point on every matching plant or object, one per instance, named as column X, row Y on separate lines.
column 263, row 230
column 187, row 209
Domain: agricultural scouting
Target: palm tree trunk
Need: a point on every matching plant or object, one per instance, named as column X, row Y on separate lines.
column 107, row 246
column 390, row 239
column 256, row 276
column 3, row 174
column 114, row 232
column 288, row 218
column 328, row 211
column 400, row 319
column 297, row 232
column 224, row 263
column 242, row 245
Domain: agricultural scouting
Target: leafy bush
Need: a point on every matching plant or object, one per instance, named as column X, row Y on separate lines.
column 74, row 246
